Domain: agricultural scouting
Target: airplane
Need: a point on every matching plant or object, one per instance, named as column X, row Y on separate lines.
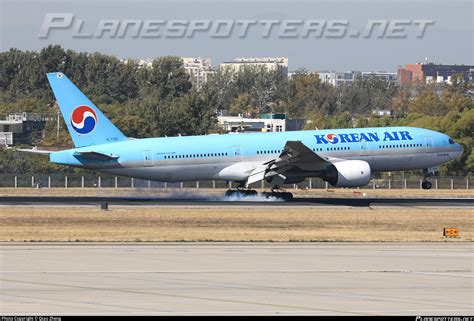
column 341, row 157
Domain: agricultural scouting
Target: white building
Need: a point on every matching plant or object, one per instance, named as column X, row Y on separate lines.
column 22, row 128
column 271, row 63
column 145, row 63
column 347, row 78
column 199, row 69
column 336, row 78
column 239, row 124
column 384, row 75
column 142, row 63
column 381, row 112
column 266, row 123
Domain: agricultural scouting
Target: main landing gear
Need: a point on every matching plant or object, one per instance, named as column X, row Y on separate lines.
column 286, row 196
column 240, row 192
column 278, row 193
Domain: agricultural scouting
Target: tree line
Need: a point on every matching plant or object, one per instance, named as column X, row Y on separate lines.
column 162, row 100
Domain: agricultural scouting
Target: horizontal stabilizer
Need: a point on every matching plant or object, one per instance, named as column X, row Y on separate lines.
column 34, row 151
column 96, row 156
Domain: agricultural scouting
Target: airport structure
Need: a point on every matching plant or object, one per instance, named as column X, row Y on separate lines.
column 432, row 73
column 22, row 128
column 266, row 123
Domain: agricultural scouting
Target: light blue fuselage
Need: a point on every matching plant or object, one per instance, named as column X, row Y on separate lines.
column 232, row 157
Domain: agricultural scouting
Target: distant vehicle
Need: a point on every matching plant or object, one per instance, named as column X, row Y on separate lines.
column 342, row 157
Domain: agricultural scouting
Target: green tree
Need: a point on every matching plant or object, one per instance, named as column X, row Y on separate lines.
column 428, row 102
column 307, row 95
column 243, row 104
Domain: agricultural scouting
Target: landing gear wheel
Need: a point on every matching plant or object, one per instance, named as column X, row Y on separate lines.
column 240, row 192
column 286, row 196
column 426, row 185
column 251, row 192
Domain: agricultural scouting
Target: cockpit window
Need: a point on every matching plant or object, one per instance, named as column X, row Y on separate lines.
column 451, row 141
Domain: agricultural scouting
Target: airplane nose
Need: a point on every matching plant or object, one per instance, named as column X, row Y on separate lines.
column 458, row 150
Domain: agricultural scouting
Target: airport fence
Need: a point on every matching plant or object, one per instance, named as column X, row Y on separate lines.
column 108, row 181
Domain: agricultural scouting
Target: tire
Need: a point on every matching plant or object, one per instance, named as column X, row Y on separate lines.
column 426, row 185
column 287, row 196
column 252, row 193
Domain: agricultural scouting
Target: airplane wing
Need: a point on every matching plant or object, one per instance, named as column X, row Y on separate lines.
column 96, row 156
column 298, row 154
column 295, row 156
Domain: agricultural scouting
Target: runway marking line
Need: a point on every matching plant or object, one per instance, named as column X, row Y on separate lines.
column 183, row 296
column 445, row 272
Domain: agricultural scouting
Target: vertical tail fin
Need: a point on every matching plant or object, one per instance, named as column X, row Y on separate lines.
column 85, row 122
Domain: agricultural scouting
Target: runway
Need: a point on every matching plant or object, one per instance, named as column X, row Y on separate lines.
column 223, row 201
column 237, row 278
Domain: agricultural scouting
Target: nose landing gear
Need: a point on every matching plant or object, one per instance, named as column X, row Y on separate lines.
column 427, row 173
column 426, row 184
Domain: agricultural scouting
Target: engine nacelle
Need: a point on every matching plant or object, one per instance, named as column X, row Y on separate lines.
column 350, row 173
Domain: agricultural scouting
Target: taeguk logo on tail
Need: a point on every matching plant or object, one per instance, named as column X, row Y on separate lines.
column 83, row 119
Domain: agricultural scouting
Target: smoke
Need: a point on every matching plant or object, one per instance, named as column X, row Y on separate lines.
column 204, row 195
column 253, row 198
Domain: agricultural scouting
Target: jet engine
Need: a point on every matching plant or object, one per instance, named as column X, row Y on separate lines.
column 350, row 173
